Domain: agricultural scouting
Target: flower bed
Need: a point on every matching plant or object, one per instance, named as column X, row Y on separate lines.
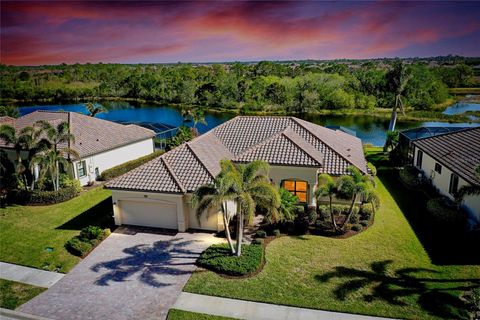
column 39, row 197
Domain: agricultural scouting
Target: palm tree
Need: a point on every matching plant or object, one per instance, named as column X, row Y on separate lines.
column 252, row 189
column 357, row 184
column 9, row 135
column 217, row 195
column 397, row 80
column 94, row 109
column 58, row 137
column 32, row 140
column 327, row 187
column 51, row 160
column 198, row 116
column 468, row 190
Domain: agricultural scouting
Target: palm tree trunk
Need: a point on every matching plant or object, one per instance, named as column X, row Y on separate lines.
column 227, row 230
column 57, row 173
column 239, row 233
column 393, row 120
column 350, row 211
column 334, row 224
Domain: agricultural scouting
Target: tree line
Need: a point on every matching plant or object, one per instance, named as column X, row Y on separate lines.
column 265, row 86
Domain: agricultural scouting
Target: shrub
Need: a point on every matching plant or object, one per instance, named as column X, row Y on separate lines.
column 409, row 176
column 364, row 223
column 301, row 222
column 311, row 212
column 445, row 213
column 127, row 166
column 91, row 233
column 29, row 197
column 78, row 247
column 357, row 227
column 276, row 232
column 355, row 218
column 257, row 241
column 324, row 212
column 219, row 258
column 260, row 234
column 365, row 212
column 372, row 168
column 68, row 182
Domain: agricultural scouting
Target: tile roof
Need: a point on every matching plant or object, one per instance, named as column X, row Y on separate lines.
column 92, row 135
column 285, row 141
column 459, row 151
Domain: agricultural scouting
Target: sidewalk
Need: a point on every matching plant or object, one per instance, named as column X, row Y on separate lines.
column 241, row 309
column 31, row 276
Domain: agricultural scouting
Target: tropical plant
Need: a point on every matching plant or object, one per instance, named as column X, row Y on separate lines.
column 391, row 141
column 252, row 189
column 354, row 184
column 58, row 153
column 286, row 210
column 216, row 195
column 397, row 79
column 327, row 187
column 183, row 134
column 468, row 190
column 9, row 135
column 94, row 109
column 9, row 111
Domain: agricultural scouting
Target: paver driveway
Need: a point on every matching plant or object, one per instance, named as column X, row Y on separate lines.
column 133, row 274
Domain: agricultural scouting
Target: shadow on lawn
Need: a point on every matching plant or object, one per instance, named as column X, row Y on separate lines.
column 444, row 247
column 100, row 215
column 163, row 258
column 392, row 286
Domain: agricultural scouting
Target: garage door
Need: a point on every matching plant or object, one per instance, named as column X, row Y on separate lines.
column 149, row 214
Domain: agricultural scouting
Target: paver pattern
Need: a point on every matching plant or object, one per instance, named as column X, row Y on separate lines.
column 133, row 274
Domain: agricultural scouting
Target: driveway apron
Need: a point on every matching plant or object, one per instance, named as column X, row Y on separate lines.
column 133, row 274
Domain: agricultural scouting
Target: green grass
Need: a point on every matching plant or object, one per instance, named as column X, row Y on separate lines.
column 13, row 294
column 27, row 231
column 174, row 314
column 383, row 271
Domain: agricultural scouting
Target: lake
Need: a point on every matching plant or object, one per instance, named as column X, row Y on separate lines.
column 369, row 129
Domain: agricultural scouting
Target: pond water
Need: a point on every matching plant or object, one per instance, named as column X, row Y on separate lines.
column 462, row 107
column 369, row 129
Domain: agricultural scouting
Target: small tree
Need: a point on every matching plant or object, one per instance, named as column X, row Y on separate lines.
column 327, row 187
column 286, row 209
column 354, row 184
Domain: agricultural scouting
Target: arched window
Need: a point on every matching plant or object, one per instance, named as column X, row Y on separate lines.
column 296, row 187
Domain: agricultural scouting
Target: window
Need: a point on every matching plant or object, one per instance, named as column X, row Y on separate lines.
column 297, row 187
column 81, row 169
column 419, row 158
column 438, row 168
column 97, row 172
column 453, row 188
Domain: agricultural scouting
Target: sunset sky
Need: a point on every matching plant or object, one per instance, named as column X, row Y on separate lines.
column 40, row 32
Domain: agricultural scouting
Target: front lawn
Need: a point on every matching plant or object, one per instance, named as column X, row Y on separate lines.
column 384, row 271
column 175, row 314
column 35, row 235
column 13, row 294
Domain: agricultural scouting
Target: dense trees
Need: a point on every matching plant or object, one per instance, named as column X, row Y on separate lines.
column 264, row 86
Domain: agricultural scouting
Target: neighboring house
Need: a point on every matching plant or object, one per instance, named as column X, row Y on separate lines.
column 449, row 161
column 101, row 144
column 158, row 194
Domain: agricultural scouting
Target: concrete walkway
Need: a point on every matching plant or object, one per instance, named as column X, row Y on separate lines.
column 241, row 309
column 31, row 276
column 6, row 314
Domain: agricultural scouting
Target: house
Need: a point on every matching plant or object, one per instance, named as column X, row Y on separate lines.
column 158, row 193
column 101, row 144
column 449, row 161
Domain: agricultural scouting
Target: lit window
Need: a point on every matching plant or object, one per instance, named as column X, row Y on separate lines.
column 81, row 169
column 298, row 188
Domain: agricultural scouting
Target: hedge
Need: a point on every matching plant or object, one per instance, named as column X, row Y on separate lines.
column 218, row 258
column 88, row 239
column 29, row 197
column 127, row 166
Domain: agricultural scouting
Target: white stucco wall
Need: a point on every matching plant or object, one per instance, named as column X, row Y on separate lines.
column 211, row 220
column 442, row 182
column 279, row 173
column 112, row 158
